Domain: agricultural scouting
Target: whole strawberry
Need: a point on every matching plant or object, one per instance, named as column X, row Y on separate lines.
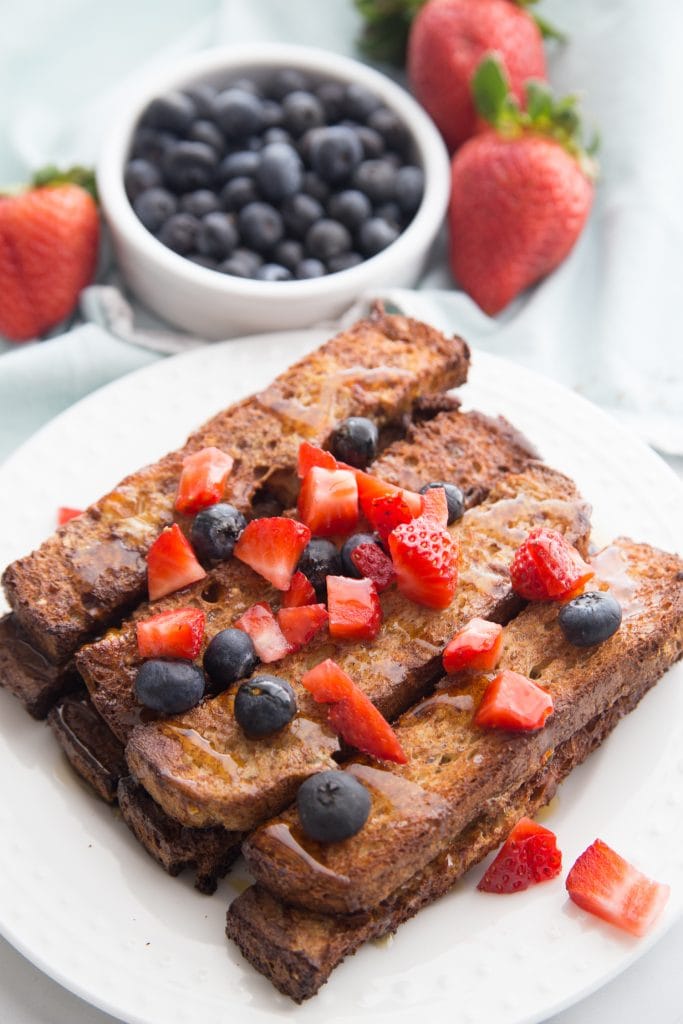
column 447, row 41
column 48, row 250
column 520, row 195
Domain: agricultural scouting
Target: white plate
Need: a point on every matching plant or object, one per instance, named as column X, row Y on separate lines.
column 85, row 903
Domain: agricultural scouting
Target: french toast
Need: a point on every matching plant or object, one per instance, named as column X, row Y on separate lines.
column 477, row 801
column 203, row 770
column 28, row 674
column 90, row 746
column 93, row 569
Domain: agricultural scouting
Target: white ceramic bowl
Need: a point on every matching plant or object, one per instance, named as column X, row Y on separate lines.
column 214, row 305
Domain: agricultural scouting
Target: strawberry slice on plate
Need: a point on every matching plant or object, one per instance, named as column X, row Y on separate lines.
column 352, row 715
column 435, row 505
column 311, row 455
column 299, row 625
column 371, row 487
column 328, row 501
column 605, row 884
column 387, row 512
column 528, row 855
column 513, row 702
column 171, row 563
column 374, row 564
column 476, row 647
column 425, row 558
column 177, row 633
column 355, row 611
column 547, row 568
column 300, row 592
column 273, row 547
column 268, row 639
column 202, row 480
column 65, row 514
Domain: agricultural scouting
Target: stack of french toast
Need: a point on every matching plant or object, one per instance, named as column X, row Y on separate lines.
column 196, row 790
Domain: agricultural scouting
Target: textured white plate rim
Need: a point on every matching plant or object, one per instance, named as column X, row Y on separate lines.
column 485, row 369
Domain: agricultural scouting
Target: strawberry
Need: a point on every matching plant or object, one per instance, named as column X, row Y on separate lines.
column 528, row 855
column 547, row 568
column 64, row 514
column 520, row 195
column 171, row 564
column 386, row 513
column 435, row 505
column 49, row 239
column 605, row 884
column 299, row 625
column 202, row 480
column 310, row 455
column 300, row 592
column 477, row 647
column 513, row 702
column 177, row 633
column 269, row 641
column 352, row 715
column 448, row 40
column 328, row 501
column 372, row 563
column 355, row 611
column 272, row 547
column 425, row 558
column 371, row 487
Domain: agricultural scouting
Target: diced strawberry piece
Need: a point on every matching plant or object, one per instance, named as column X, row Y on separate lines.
column 328, row 501
column 311, row 455
column 299, row 625
column 370, row 487
column 547, row 568
column 605, row 884
column 269, row 641
column 171, row 563
column 513, row 702
column 528, row 855
column 64, row 514
column 177, row 633
column 374, row 564
column 355, row 611
column 300, row 592
column 386, row 513
column 202, row 480
column 475, row 647
column 425, row 558
column 273, row 547
column 435, row 505
column 352, row 714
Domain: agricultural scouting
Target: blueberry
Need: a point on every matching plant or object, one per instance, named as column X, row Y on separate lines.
column 217, row 236
column 242, row 164
column 349, row 546
column 332, row 805
column 276, row 134
column 300, row 111
column 590, row 619
column 410, row 183
column 246, row 85
column 202, row 261
column 273, row 272
column 304, row 145
column 314, row 186
column 140, row 175
column 238, row 192
column 344, row 261
column 360, row 102
column 253, row 143
column 260, row 226
column 154, row 206
column 242, row 263
column 174, row 112
column 319, row 560
column 336, row 153
column 371, row 141
column 376, row 234
column 215, row 531
column 289, row 253
column 389, row 125
column 149, row 144
column 309, row 268
column 238, row 113
column 286, row 80
column 272, row 114
column 455, row 499
column 377, row 179
column 327, row 238
column 203, row 96
column 354, row 441
column 332, row 95
column 169, row 686
column 350, row 207
column 179, row 233
column 208, row 133
column 391, row 213
column 279, row 172
column 264, row 705
column 199, row 203
column 299, row 213
column 189, row 165
column 230, row 656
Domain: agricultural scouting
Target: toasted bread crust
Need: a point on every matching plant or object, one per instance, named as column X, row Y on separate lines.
column 93, row 568
column 28, row 674
column 90, row 746
column 201, row 768
column 456, row 767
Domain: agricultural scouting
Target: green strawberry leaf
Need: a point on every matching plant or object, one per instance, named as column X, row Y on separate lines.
column 384, row 37
column 491, row 89
column 51, row 175
column 547, row 30
column 539, row 99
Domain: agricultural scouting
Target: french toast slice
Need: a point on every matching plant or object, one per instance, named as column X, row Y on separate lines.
column 202, row 769
column 92, row 569
column 89, row 745
column 28, row 674
column 455, row 768
column 470, row 449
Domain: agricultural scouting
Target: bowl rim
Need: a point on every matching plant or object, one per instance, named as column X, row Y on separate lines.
column 148, row 84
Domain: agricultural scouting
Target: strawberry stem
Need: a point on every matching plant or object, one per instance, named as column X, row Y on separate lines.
column 545, row 27
column 77, row 175
column 384, row 37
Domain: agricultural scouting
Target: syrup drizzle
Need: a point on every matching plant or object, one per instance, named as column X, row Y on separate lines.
column 611, row 569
